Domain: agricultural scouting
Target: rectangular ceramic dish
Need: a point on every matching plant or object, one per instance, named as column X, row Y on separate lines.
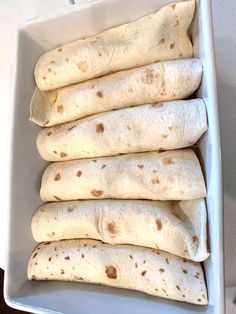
column 34, row 38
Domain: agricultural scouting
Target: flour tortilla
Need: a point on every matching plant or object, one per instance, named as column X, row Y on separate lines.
column 131, row 130
column 155, row 37
column 123, row 266
column 171, row 175
column 175, row 227
column 163, row 81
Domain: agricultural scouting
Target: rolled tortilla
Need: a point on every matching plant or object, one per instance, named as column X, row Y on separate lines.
column 131, row 130
column 153, row 83
column 170, row 175
column 155, row 37
column 123, row 266
column 175, row 227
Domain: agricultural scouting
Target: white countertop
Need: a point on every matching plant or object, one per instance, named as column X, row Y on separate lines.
column 224, row 18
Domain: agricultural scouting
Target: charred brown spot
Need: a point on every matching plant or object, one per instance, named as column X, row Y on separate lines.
column 167, row 261
column 204, row 297
column 55, row 152
column 44, row 77
column 99, row 53
column 59, row 50
column 60, row 108
column 48, row 121
column 195, row 239
column 67, row 257
column 168, row 161
column 173, row 6
column 149, row 76
column 162, row 41
column 49, row 133
column 99, row 128
column 140, row 166
column 172, row 46
column 103, row 166
column 63, row 155
column 57, row 198
column 47, row 243
column 196, row 276
column 161, row 270
column 180, row 55
column 49, row 70
column 82, row 255
column 34, row 277
column 144, row 262
column 111, row 272
column 49, row 259
column 57, row 177
column 170, row 128
column 112, row 227
column 62, row 271
column 143, row 273
column 183, row 295
column 159, row 224
column 131, row 256
column 96, row 193
column 79, row 173
column 35, row 264
column 35, row 254
column 156, row 289
column 199, row 300
column 136, row 264
column 163, row 290
column 67, row 60
column 161, row 150
column 178, row 287
column 184, row 260
column 94, row 246
column 52, row 62
column 99, row 94
column 94, row 160
column 164, row 135
column 78, row 278
column 155, row 181
column 82, row 66
column 184, row 271
column 128, row 127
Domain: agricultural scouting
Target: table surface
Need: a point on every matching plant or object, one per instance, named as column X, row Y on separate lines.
column 224, row 18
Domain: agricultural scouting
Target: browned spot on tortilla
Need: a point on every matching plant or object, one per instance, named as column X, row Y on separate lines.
column 161, row 150
column 94, row 160
column 82, row 66
column 140, row 166
column 99, row 128
column 72, row 127
column 178, row 287
column 172, row 46
column 67, row 257
column 52, row 62
column 49, row 133
column 35, row 254
column 82, row 255
column 159, row 224
column 60, row 108
column 79, row 173
column 163, row 290
column 184, row 271
column 164, row 135
column 195, row 239
column 47, row 243
column 103, row 166
column 170, row 127
column 168, row 161
column 111, row 272
column 96, row 193
column 183, row 295
column 155, row 181
column 57, row 198
column 99, row 53
column 199, row 300
column 180, row 55
column 67, row 60
column 63, row 154
column 128, row 127
column 36, row 264
column 162, row 41
column 49, row 70
column 78, row 278
column 148, row 76
column 62, row 272
column 55, row 152
column 167, row 261
column 136, row 264
column 99, row 94
column 48, row 121
column 196, row 276
column 112, row 227
column 161, row 270
column 173, row 6
column 44, row 77
column 94, row 246
column 131, row 256
column 154, row 171
column 204, row 297
column 144, row 262
column 33, row 277
column 177, row 20
column 143, row 273
column 57, row 177
column 49, row 259
column 59, row 50
column 55, row 248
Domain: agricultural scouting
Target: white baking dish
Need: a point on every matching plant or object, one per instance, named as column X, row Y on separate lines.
column 35, row 37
